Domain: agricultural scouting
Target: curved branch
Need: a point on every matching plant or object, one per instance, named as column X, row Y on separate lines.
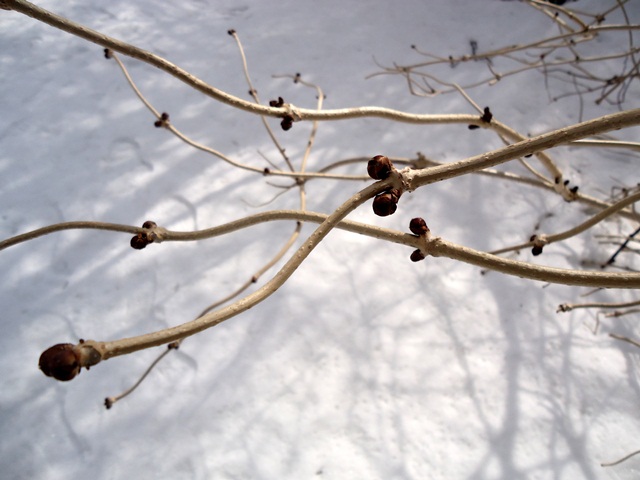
column 587, row 224
column 269, row 216
column 105, row 350
column 296, row 113
column 438, row 247
column 59, row 227
column 615, row 121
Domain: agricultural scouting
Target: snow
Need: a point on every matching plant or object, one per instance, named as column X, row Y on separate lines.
column 364, row 365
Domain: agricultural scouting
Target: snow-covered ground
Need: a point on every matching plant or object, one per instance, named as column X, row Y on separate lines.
column 364, row 365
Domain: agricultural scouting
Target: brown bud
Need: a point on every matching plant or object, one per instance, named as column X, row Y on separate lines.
column 276, row 103
column 287, row 123
column 107, row 53
column 536, row 250
column 487, row 116
column 379, row 167
column 416, row 256
column 163, row 121
column 418, row 226
column 385, row 204
column 61, row 362
column 140, row 241
column 149, row 224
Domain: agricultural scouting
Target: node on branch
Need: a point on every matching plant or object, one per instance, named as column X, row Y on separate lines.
column 163, row 121
column 152, row 234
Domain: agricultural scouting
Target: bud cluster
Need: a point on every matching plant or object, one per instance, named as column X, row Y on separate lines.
column 163, row 121
column 385, row 203
column 538, row 243
column 143, row 239
column 418, row 227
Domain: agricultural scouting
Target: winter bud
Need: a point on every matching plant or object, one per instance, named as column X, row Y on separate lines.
column 379, row 167
column 385, row 204
column 287, row 123
column 416, row 256
column 418, row 226
column 62, row 362
column 140, row 241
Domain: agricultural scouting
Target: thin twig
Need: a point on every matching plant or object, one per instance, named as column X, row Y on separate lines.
column 567, row 307
column 625, row 339
column 623, row 459
column 587, row 224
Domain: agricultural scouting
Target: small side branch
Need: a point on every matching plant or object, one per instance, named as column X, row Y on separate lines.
column 625, row 339
column 623, row 459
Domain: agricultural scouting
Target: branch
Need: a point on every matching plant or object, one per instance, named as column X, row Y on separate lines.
column 545, row 141
column 169, row 235
column 297, row 114
column 542, row 239
column 625, row 339
column 58, row 227
column 567, row 307
column 438, row 247
column 91, row 352
column 623, row 459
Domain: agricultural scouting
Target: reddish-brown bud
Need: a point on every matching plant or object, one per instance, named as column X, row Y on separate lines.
column 61, row 362
column 416, row 256
column 536, row 250
column 379, row 167
column 149, row 224
column 276, row 103
column 287, row 123
column 163, row 121
column 140, row 241
column 385, row 204
column 418, row 226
